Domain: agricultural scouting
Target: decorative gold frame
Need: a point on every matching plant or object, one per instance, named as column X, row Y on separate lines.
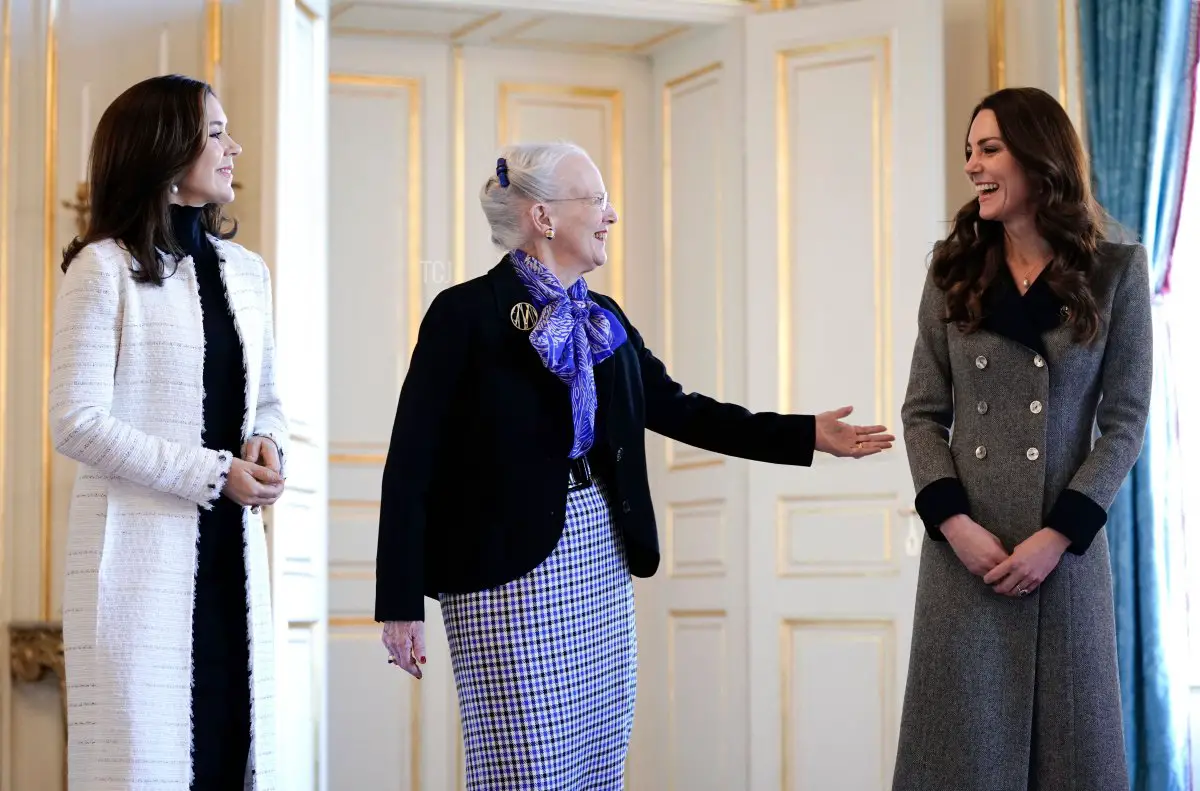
column 36, row 649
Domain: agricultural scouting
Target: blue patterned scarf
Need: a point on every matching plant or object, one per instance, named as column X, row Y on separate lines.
column 571, row 335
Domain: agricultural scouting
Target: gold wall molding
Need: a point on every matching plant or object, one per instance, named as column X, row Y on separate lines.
column 354, row 622
column 678, row 619
column 49, row 267
column 5, row 288
column 357, row 505
column 35, row 651
column 460, row 168
column 1062, row 52
column 877, row 51
column 412, row 87
column 515, row 36
column 571, row 96
column 717, row 567
column 997, row 23
column 457, row 33
column 212, row 43
column 5, row 318
column 1066, row 22
column 692, row 80
column 881, row 630
column 370, row 459
column 849, row 504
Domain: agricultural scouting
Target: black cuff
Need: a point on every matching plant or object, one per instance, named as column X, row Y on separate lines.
column 939, row 501
column 1078, row 517
column 804, row 442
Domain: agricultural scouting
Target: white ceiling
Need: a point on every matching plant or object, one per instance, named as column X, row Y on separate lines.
column 482, row 25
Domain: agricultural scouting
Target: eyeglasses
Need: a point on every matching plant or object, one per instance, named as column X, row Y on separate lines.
column 596, row 201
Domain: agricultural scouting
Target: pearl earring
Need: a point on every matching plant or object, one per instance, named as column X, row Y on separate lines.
column 174, row 189
column 549, row 233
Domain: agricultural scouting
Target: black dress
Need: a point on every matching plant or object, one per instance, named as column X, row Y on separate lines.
column 220, row 641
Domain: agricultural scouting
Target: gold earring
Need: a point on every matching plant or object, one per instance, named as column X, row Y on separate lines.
column 549, row 233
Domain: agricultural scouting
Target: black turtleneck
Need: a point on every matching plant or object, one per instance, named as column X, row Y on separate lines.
column 220, row 640
column 224, row 376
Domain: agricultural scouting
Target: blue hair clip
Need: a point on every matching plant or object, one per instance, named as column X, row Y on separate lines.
column 502, row 171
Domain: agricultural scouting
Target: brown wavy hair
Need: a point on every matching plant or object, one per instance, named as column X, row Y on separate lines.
column 1041, row 137
column 145, row 141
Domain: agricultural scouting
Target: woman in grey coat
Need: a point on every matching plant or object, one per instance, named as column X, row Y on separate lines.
column 1032, row 330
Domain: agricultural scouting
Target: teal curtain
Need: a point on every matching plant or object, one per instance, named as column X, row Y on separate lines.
column 1138, row 71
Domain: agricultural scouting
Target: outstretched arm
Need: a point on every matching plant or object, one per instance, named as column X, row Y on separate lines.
column 733, row 430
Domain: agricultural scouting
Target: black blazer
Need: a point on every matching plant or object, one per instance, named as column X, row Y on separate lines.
column 475, row 484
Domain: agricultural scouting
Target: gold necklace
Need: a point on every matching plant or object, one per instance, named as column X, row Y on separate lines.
column 1025, row 280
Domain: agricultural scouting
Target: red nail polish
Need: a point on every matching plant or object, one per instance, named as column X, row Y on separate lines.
column 422, row 660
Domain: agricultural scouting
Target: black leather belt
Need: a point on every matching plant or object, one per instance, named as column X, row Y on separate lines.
column 580, row 474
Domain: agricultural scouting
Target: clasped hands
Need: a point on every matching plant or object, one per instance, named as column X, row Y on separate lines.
column 256, row 478
column 1018, row 574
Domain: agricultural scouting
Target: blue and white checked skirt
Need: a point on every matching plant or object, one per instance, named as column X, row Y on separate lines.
column 546, row 665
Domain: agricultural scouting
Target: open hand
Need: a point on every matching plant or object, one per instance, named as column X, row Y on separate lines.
column 1031, row 562
column 405, row 642
column 976, row 547
column 842, row 439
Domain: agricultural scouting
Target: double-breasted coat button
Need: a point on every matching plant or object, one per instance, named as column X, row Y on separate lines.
column 981, row 407
column 1032, row 454
column 1036, row 407
column 1038, row 361
column 981, row 362
column 981, row 452
column 625, row 506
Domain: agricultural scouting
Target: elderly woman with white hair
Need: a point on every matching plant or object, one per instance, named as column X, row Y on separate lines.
column 516, row 493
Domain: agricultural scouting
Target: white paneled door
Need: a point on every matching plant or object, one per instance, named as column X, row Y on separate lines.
column 845, row 199
column 801, row 191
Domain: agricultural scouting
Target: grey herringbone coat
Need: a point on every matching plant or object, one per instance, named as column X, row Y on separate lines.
column 1009, row 694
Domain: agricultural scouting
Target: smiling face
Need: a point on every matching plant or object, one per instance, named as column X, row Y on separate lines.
column 210, row 177
column 1000, row 182
column 580, row 217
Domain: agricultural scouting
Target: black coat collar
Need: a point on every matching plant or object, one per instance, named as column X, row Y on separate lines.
column 511, row 295
column 1023, row 319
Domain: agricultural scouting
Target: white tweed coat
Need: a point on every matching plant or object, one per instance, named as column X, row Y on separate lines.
column 126, row 401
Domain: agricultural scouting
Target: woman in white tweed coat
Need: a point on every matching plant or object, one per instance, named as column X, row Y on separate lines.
column 161, row 378
column 1032, row 330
